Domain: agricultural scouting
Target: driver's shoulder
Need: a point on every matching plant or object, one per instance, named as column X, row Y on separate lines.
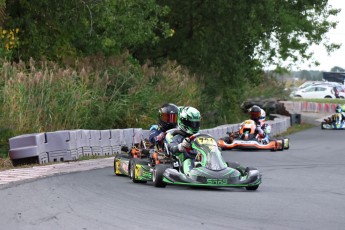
column 174, row 135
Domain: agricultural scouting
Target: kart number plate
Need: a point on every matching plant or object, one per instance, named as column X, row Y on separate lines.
column 206, row 141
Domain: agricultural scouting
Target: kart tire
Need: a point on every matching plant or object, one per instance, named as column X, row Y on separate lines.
column 115, row 168
column 322, row 123
column 233, row 165
column 282, row 145
column 286, row 143
column 252, row 188
column 117, row 156
column 132, row 173
column 275, row 146
column 250, row 168
column 157, row 176
column 255, row 187
column 237, row 166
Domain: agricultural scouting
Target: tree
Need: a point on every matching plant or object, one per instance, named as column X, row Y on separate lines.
column 69, row 28
column 227, row 42
column 337, row 69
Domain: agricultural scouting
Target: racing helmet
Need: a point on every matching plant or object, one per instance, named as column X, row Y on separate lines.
column 338, row 109
column 189, row 120
column 255, row 112
column 167, row 116
column 262, row 116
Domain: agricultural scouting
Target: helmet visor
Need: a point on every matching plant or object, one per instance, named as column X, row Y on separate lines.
column 195, row 125
column 255, row 114
column 169, row 117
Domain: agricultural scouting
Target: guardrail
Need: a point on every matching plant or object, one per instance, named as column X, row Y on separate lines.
column 69, row 145
column 305, row 106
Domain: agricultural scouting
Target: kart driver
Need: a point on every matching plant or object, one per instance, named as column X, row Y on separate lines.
column 338, row 109
column 188, row 123
column 167, row 119
column 263, row 129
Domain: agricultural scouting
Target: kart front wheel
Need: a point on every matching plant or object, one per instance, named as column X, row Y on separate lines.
column 157, row 176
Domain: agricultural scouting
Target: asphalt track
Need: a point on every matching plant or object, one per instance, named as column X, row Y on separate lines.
column 303, row 188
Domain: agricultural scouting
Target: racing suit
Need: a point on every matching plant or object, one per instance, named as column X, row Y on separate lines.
column 263, row 130
column 174, row 138
column 157, row 136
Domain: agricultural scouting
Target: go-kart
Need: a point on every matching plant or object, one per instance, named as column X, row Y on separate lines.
column 210, row 169
column 334, row 122
column 137, row 164
column 122, row 161
column 246, row 138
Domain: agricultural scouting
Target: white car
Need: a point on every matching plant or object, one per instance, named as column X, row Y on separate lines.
column 316, row 91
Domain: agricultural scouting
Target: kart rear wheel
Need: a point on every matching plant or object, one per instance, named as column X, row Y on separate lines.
column 134, row 170
column 252, row 188
column 282, row 145
column 157, row 176
column 275, row 146
column 286, row 143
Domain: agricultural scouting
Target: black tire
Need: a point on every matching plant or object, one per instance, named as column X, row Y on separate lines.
column 237, row 166
column 132, row 170
column 233, row 165
column 157, row 176
column 322, row 123
column 252, row 188
column 250, row 168
column 255, row 187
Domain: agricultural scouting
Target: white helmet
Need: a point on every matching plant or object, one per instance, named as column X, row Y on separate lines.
column 262, row 116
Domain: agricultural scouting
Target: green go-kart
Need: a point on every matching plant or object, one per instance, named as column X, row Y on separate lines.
column 209, row 168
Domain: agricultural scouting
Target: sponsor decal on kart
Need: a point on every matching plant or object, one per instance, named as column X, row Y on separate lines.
column 246, row 142
column 217, row 181
column 124, row 166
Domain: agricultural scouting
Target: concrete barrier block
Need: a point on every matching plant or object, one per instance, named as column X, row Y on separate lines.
column 24, row 152
column 28, row 146
column 132, row 136
column 61, row 146
column 35, row 139
column 116, row 140
column 79, row 142
column 85, row 137
column 105, row 142
column 95, row 143
column 145, row 134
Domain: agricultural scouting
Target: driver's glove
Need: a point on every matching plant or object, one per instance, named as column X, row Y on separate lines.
column 160, row 137
column 185, row 144
column 259, row 130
